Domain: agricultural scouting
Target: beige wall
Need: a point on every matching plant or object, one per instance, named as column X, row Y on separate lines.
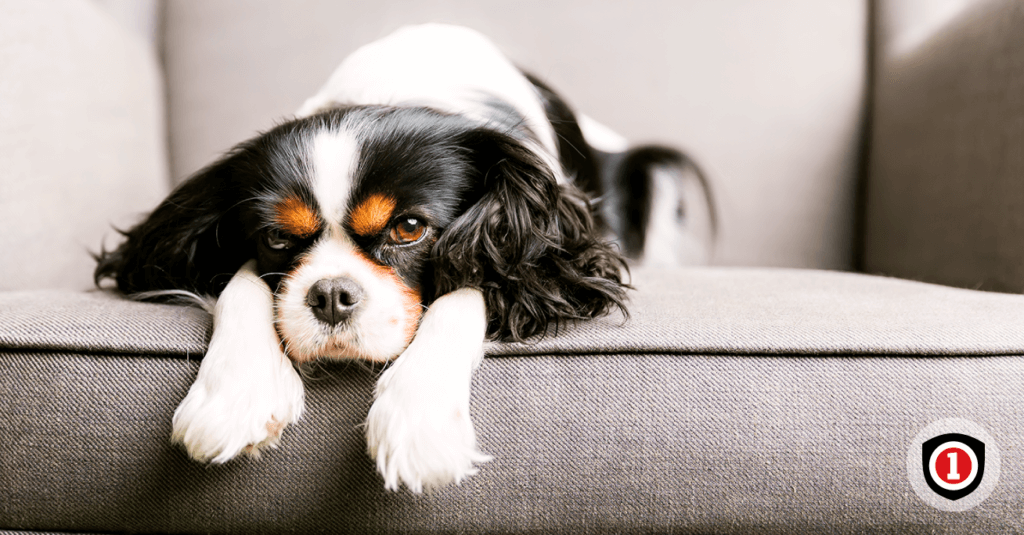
column 766, row 95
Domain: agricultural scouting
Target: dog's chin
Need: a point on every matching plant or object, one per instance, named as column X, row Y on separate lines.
column 341, row 351
column 306, row 343
column 380, row 332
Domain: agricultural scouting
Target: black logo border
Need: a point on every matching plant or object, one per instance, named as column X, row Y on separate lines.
column 929, row 446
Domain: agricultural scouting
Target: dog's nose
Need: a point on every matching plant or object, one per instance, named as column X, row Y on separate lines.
column 334, row 300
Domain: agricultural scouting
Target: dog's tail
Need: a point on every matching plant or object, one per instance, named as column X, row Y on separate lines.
column 649, row 176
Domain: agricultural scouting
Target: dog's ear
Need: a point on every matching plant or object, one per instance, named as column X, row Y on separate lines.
column 528, row 243
column 193, row 241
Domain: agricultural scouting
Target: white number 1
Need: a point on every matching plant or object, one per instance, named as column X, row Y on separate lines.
column 953, row 476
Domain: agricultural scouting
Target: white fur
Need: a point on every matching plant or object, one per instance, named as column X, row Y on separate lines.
column 600, row 136
column 179, row 297
column 448, row 68
column 335, row 155
column 246, row 390
column 671, row 241
column 376, row 332
column 418, row 429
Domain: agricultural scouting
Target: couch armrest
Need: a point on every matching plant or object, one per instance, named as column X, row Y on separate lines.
column 82, row 139
column 944, row 196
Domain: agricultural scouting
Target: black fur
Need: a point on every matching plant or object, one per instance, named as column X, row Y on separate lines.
column 530, row 245
column 496, row 218
column 579, row 160
column 190, row 242
column 620, row 182
column 210, row 225
column 629, row 175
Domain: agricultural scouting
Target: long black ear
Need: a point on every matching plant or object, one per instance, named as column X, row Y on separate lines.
column 190, row 242
column 529, row 244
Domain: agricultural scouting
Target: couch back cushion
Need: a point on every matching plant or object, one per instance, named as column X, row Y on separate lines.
column 766, row 95
column 82, row 144
column 945, row 199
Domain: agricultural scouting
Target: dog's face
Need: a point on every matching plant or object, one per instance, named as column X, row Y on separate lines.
column 359, row 217
column 344, row 219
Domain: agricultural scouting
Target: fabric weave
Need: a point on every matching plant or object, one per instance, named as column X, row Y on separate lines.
column 733, row 400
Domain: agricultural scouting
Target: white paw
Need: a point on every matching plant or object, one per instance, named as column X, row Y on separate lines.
column 222, row 417
column 419, row 431
column 247, row 390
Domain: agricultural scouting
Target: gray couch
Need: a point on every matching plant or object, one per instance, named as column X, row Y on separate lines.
column 778, row 391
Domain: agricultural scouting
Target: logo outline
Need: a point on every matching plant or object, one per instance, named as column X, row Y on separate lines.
column 932, row 447
column 918, row 475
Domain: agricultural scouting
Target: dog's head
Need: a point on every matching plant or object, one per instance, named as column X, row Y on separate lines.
column 359, row 217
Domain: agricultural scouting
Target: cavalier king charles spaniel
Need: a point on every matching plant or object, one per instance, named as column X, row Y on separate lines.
column 429, row 197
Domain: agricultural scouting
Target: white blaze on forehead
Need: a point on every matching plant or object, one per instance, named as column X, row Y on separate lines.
column 335, row 155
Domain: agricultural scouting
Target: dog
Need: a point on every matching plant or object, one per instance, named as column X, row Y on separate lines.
column 658, row 205
column 429, row 197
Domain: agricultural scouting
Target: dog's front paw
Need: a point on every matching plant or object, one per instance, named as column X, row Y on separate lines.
column 218, row 420
column 420, row 433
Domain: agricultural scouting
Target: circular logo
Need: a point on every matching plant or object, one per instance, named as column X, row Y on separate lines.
column 953, row 464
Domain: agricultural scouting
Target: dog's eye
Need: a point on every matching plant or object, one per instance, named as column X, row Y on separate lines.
column 407, row 230
column 277, row 240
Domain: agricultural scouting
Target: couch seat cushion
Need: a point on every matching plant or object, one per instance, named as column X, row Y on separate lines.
column 733, row 400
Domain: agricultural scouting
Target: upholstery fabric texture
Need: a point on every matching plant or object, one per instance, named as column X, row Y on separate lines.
column 766, row 400
column 733, row 400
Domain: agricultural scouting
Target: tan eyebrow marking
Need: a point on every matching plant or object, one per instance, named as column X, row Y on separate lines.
column 372, row 215
column 297, row 218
